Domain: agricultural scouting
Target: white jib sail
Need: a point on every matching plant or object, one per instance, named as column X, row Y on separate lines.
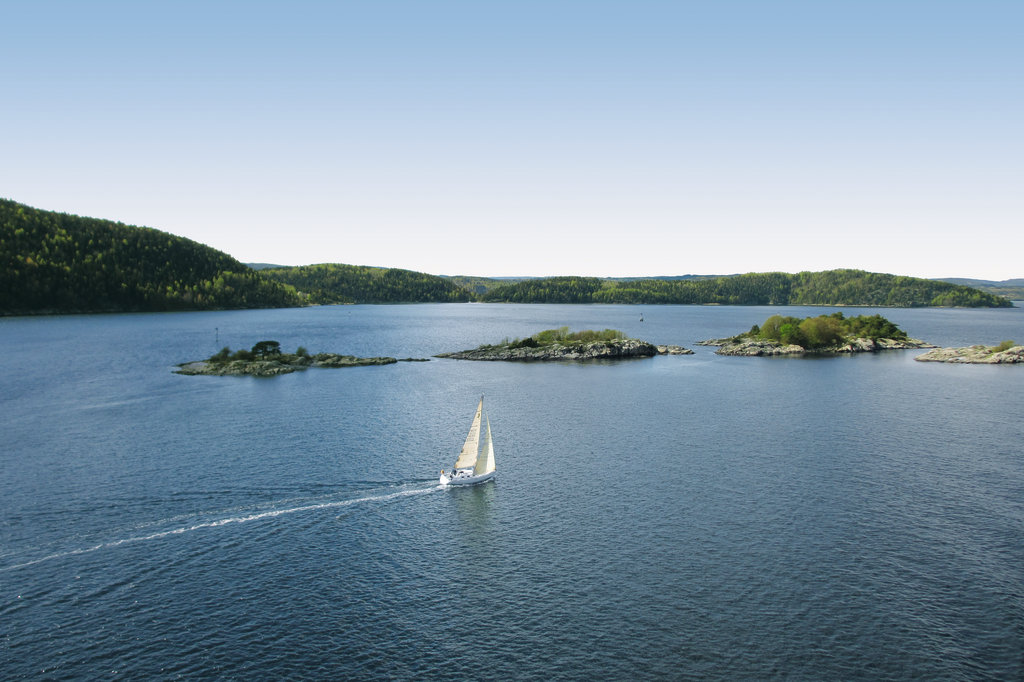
column 485, row 462
column 468, row 456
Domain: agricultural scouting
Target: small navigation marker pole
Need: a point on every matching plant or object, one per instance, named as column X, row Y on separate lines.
column 216, row 336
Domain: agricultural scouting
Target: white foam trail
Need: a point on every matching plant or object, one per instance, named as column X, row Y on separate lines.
column 220, row 522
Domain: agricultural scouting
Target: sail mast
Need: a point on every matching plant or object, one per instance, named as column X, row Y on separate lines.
column 468, row 456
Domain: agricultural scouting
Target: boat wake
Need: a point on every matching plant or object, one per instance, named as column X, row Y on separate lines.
column 228, row 520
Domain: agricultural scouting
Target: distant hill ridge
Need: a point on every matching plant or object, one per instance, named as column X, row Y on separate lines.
column 983, row 282
column 1007, row 288
column 328, row 283
column 831, row 287
column 58, row 263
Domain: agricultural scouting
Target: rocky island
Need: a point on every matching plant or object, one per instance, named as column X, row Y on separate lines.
column 824, row 334
column 561, row 344
column 266, row 360
column 1005, row 353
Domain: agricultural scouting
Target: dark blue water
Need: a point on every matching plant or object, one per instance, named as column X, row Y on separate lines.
column 692, row 517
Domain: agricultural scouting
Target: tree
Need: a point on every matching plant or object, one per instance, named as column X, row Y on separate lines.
column 790, row 333
column 771, row 329
column 821, row 331
column 266, row 349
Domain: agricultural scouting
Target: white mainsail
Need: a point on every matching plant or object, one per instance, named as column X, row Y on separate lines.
column 485, row 461
column 469, row 455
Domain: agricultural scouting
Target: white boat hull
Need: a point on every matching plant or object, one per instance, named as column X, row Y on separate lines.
column 464, row 478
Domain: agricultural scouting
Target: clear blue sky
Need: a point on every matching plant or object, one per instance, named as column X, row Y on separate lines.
column 532, row 138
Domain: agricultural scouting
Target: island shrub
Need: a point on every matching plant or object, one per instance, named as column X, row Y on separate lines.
column 559, row 337
column 778, row 329
column 266, row 349
column 550, row 337
column 261, row 351
column 590, row 336
column 873, row 327
column 825, row 330
column 562, row 336
column 1004, row 346
column 821, row 331
column 528, row 342
column 789, row 333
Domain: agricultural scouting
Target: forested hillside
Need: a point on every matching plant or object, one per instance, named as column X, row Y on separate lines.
column 54, row 262
column 832, row 287
column 477, row 286
column 336, row 283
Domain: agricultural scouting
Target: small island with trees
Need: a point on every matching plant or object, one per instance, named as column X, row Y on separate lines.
column 265, row 359
column 561, row 344
column 825, row 334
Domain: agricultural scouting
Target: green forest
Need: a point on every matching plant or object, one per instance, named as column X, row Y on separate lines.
column 832, row 287
column 54, row 262
column 329, row 283
column 824, row 330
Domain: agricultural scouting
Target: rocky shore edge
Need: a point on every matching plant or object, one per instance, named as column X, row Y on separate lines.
column 283, row 365
column 761, row 348
column 595, row 350
column 974, row 355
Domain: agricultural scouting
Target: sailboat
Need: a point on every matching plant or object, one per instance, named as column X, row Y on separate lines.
column 475, row 463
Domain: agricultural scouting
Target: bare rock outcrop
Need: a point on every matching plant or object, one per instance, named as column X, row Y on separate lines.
column 673, row 350
column 757, row 348
column 748, row 347
column 974, row 355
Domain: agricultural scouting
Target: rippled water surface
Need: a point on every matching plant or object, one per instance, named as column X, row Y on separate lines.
column 693, row 517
